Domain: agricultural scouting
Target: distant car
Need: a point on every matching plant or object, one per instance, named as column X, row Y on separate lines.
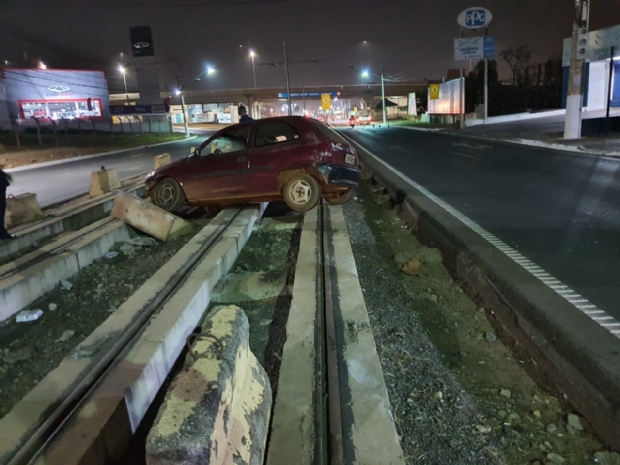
column 290, row 158
column 364, row 118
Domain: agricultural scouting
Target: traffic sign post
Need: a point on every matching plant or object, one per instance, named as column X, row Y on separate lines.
column 326, row 101
column 434, row 92
column 476, row 47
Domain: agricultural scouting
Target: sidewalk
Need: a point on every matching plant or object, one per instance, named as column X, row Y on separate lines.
column 546, row 132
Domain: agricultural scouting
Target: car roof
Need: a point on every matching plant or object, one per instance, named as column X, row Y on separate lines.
column 288, row 119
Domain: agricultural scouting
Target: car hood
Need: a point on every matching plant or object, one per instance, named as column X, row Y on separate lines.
column 171, row 167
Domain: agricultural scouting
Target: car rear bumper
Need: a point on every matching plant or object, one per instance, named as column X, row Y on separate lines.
column 339, row 175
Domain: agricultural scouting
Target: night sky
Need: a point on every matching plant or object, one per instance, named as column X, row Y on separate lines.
column 414, row 39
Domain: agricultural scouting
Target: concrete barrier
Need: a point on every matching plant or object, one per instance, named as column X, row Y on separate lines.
column 103, row 181
column 219, row 406
column 69, row 218
column 148, row 218
column 162, row 160
column 21, row 210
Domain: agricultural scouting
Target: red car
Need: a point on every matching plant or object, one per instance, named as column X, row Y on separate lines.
column 291, row 158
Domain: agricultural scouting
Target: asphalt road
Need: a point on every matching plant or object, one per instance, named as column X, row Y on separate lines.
column 60, row 182
column 560, row 210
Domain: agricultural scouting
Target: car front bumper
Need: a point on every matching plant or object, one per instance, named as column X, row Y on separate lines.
column 339, row 175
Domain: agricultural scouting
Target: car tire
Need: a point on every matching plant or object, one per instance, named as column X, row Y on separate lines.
column 301, row 192
column 169, row 195
column 342, row 198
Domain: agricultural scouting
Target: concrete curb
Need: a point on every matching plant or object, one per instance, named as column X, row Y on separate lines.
column 525, row 142
column 101, row 429
column 75, row 218
column 580, row 357
column 94, row 155
column 293, row 432
column 25, row 285
column 369, row 432
column 218, row 406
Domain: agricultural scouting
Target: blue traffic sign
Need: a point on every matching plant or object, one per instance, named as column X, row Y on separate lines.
column 489, row 47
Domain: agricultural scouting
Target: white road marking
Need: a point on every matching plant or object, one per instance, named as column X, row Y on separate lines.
column 400, row 149
column 579, row 302
column 471, row 145
column 466, row 156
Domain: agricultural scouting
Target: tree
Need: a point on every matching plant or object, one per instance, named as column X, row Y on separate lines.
column 519, row 61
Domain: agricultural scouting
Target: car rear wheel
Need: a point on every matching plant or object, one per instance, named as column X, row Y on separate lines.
column 169, row 195
column 342, row 198
column 301, row 192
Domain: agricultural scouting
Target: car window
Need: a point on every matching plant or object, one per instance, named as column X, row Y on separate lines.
column 233, row 140
column 328, row 132
column 274, row 132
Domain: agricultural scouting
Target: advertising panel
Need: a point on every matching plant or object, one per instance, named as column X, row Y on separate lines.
column 449, row 101
column 472, row 48
column 412, row 108
column 598, row 45
column 56, row 93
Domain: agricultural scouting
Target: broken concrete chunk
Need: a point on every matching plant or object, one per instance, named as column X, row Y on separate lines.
column 219, row 406
column 66, row 336
column 66, row 285
column 148, row 218
column 505, row 393
column 128, row 250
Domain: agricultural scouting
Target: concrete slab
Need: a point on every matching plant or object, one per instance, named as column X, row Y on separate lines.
column 21, row 210
column 217, row 410
column 372, row 435
column 162, row 160
column 23, row 287
column 103, row 181
column 244, row 287
column 102, row 428
column 148, row 218
column 292, row 435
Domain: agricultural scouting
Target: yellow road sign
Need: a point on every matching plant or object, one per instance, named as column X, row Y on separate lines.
column 326, row 101
column 434, row 92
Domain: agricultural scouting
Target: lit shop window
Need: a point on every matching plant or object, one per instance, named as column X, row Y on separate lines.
column 59, row 109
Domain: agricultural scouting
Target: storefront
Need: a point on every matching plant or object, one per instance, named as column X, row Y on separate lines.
column 55, row 94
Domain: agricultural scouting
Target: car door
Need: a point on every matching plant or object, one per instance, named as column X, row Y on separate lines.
column 219, row 168
column 275, row 145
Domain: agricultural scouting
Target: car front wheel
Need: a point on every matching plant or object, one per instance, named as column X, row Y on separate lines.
column 169, row 195
column 301, row 192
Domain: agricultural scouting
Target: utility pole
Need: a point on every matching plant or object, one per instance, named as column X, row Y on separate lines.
column 609, row 82
column 183, row 109
column 574, row 99
column 383, row 95
column 288, row 85
column 486, row 83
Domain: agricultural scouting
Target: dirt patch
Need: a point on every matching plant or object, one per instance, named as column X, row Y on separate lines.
column 458, row 395
column 28, row 351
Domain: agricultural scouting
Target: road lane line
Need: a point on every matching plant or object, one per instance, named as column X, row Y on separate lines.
column 583, row 304
column 467, row 156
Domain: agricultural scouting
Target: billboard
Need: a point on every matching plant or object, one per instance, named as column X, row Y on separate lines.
column 56, row 93
column 141, row 41
column 472, row 48
column 598, row 45
column 449, row 101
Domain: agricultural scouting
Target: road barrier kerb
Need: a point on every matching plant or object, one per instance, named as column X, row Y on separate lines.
column 576, row 355
column 219, row 405
column 94, row 155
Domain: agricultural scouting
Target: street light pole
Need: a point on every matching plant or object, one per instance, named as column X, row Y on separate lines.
column 183, row 109
column 252, row 54
column 125, row 82
column 288, row 86
column 383, row 95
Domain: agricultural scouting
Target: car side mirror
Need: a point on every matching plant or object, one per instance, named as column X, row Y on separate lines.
column 194, row 152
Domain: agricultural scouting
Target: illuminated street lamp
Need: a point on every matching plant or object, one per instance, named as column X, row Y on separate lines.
column 209, row 71
column 122, row 70
column 42, row 65
column 364, row 76
column 252, row 55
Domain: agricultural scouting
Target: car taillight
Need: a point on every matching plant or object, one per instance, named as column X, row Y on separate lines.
column 324, row 152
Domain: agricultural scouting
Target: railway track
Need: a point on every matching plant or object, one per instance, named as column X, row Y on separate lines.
column 64, row 408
